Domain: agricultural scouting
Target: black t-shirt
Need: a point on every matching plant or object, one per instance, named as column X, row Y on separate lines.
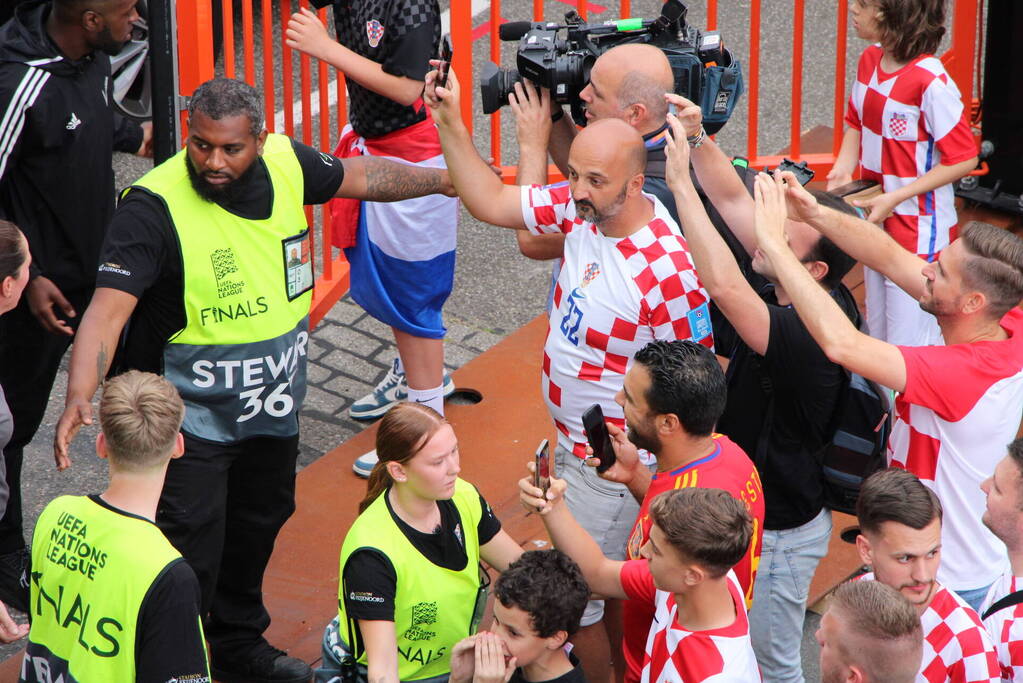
column 576, row 675
column 400, row 35
column 141, row 254
column 806, row 387
column 369, row 578
column 168, row 641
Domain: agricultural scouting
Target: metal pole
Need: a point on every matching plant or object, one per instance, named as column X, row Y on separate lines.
column 163, row 60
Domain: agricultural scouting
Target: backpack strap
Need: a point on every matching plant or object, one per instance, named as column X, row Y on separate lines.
column 1009, row 600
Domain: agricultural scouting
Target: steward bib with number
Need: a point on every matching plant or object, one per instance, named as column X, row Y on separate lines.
column 433, row 606
column 240, row 361
column 92, row 568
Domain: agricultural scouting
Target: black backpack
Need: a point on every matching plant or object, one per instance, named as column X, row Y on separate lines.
column 860, row 426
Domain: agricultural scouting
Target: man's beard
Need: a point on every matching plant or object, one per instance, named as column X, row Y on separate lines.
column 228, row 193
column 601, row 217
column 648, row 442
column 106, row 44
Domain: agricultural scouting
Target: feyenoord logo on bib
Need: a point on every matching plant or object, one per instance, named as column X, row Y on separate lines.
column 898, row 123
column 374, row 31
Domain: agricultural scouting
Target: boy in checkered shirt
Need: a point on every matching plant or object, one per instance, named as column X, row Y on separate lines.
column 900, row 539
column 1002, row 610
column 907, row 132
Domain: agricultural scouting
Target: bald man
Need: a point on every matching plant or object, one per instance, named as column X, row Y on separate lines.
column 626, row 280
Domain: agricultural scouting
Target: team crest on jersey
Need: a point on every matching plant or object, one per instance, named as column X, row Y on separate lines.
column 898, row 123
column 374, row 31
column 591, row 273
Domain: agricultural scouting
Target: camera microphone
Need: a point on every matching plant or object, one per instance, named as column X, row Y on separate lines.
column 513, row 30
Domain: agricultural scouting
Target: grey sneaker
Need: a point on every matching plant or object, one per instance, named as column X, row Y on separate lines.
column 363, row 465
column 391, row 390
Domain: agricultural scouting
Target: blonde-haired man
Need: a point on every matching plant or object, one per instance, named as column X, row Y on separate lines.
column 111, row 599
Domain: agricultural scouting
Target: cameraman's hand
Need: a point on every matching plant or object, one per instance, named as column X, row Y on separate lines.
column 532, row 110
column 532, row 498
column 769, row 212
column 802, row 206
column 626, row 457
column 443, row 100
column 676, row 171
column 689, row 114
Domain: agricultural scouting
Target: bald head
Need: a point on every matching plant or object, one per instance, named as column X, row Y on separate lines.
column 639, row 75
column 612, row 143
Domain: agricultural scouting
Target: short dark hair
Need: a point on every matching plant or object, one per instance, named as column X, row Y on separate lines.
column 910, row 29
column 687, row 381
column 707, row 526
column 221, row 97
column 993, row 265
column 895, row 495
column 1016, row 453
column 839, row 263
column 547, row 585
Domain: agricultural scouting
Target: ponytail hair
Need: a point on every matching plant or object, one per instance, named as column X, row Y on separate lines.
column 12, row 254
column 403, row 432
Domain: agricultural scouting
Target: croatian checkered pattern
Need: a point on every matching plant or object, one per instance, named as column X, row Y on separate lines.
column 959, row 401
column 356, row 23
column 910, row 122
column 676, row 655
column 957, row 649
column 1006, row 627
column 612, row 297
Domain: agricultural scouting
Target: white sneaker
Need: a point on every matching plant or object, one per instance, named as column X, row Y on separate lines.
column 364, row 464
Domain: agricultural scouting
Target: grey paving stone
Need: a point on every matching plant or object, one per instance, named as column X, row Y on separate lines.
column 349, row 340
column 483, row 340
column 316, row 399
column 317, row 374
column 345, row 312
column 353, row 366
column 372, row 326
column 321, row 436
column 317, row 348
column 350, row 389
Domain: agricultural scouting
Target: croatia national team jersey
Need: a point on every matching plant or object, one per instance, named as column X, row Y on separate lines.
column 676, row 655
column 960, row 408
column 1006, row 627
column 910, row 121
column 727, row 468
column 957, row 648
column 612, row 297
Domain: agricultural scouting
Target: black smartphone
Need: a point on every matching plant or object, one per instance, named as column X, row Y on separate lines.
column 444, row 55
column 544, row 469
column 855, row 187
column 596, row 434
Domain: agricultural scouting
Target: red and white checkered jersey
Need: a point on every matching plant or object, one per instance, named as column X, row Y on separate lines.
column 676, row 655
column 960, row 407
column 612, row 297
column 1006, row 627
column 911, row 121
column 957, row 648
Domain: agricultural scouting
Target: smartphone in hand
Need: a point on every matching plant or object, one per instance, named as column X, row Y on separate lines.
column 444, row 55
column 600, row 440
column 544, row 469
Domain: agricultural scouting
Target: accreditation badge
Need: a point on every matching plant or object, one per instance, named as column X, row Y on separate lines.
column 298, row 264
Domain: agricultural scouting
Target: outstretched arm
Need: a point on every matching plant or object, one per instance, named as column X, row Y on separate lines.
column 483, row 193
column 881, row 206
column 865, row 242
column 714, row 262
column 602, row 575
column 826, row 322
column 383, row 180
column 306, row 33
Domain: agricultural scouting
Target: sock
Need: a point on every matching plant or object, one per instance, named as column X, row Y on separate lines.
column 431, row 397
column 399, row 367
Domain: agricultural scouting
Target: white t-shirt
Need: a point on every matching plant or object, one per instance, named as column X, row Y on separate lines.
column 1006, row 627
column 961, row 407
column 612, row 297
column 676, row 655
column 957, row 649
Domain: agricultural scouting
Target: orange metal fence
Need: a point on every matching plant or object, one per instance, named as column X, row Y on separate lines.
column 264, row 43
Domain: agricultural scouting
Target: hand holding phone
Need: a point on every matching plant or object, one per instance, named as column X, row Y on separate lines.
column 544, row 467
column 444, row 55
column 599, row 439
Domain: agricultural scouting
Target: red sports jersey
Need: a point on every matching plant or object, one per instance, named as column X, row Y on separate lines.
column 613, row 296
column 957, row 649
column 1006, row 627
column 910, row 121
column 676, row 655
column 960, row 406
column 727, row 468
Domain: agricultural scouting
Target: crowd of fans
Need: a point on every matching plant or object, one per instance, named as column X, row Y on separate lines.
column 719, row 360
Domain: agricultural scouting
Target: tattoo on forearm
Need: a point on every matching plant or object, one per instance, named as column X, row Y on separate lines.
column 101, row 364
column 388, row 181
